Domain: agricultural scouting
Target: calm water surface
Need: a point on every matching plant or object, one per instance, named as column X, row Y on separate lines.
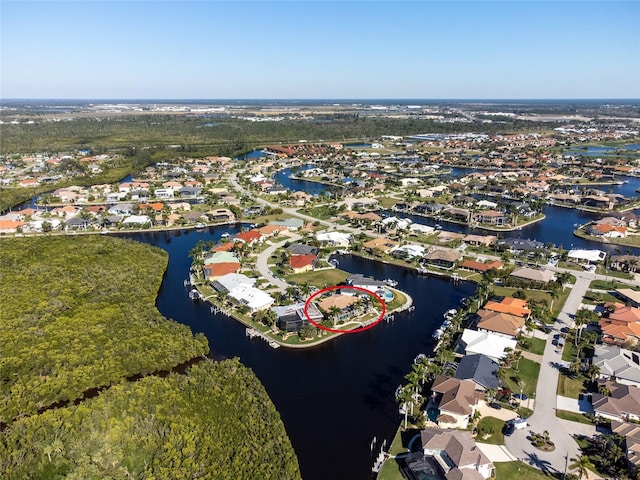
column 334, row 398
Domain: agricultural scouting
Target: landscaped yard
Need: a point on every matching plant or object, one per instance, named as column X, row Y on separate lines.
column 320, row 279
column 536, row 296
column 511, row 470
column 570, row 387
column 573, row 416
column 533, row 345
column 528, row 372
column 490, row 431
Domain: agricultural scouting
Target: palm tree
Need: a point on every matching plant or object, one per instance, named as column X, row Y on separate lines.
column 593, row 372
column 582, row 464
column 335, row 312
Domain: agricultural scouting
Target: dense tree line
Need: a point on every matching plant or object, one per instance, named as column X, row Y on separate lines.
column 227, row 136
column 78, row 313
column 213, row 422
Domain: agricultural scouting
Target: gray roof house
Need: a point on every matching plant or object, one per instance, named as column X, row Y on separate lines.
column 479, row 368
column 301, row 249
column 617, row 362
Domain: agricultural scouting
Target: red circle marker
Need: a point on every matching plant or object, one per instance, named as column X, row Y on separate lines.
column 344, row 287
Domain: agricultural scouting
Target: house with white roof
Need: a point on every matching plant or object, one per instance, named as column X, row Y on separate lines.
column 252, row 297
column 485, row 343
column 617, row 362
column 337, row 239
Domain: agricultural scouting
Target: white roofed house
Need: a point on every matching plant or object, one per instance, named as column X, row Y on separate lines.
column 543, row 276
column 253, row 298
column 336, row 239
column 486, row 343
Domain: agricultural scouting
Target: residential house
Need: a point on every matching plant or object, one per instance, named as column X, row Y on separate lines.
column 213, row 271
column 607, row 231
column 499, row 323
column 622, row 403
column 302, row 263
column 335, row 239
column 253, row 298
column 249, row 237
column 621, row 364
column 10, row 226
column 291, row 224
column 490, row 344
column 344, row 304
column 625, row 263
column 136, row 221
column 456, row 399
column 510, row 305
column 631, row 434
column 491, row 217
column 301, row 249
column 378, row 287
column 443, row 258
column 525, row 273
column 291, row 318
column 480, row 369
column 383, row 245
column 484, row 240
column 457, row 454
column 629, row 296
column 228, row 282
column 476, row 266
column 621, row 326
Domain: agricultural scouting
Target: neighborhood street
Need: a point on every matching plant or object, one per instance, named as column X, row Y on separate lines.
column 544, row 414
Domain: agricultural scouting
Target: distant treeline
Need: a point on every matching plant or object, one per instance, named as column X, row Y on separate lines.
column 224, row 136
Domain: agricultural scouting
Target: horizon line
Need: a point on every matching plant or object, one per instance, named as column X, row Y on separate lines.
column 323, row 99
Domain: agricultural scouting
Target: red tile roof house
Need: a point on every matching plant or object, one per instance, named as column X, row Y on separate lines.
column 302, row 263
column 481, row 267
column 214, row 271
column 249, row 237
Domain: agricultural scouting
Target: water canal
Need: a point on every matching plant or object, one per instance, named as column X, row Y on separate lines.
column 333, row 398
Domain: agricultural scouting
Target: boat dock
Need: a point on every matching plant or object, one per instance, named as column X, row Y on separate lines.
column 253, row 333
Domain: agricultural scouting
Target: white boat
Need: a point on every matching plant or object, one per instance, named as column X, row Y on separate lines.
column 391, row 283
column 200, row 226
column 438, row 226
column 438, row 333
column 225, row 235
column 450, row 314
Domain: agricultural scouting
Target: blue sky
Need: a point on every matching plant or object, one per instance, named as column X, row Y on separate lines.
column 305, row 49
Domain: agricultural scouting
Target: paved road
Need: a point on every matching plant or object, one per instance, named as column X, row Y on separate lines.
column 262, row 262
column 544, row 417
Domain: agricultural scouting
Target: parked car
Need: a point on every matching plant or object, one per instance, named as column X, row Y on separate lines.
column 520, row 396
column 508, row 429
column 495, row 405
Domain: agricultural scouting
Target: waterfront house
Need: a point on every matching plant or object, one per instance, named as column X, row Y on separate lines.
column 480, row 369
column 499, row 323
column 480, row 240
column 456, row 400
column 457, row 454
column 487, row 343
column 622, row 403
column 344, row 305
column 491, row 217
column 214, row 271
column 253, row 298
column 607, row 231
column 221, row 215
column 617, row 362
column 291, row 318
column 383, row 245
column 447, row 259
column 481, row 267
column 587, row 256
column 136, row 221
column 518, row 245
column 228, row 282
column 510, row 305
column 334, row 239
column 249, row 237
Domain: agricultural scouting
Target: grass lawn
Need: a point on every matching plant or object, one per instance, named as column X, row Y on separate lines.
column 320, row 278
column 534, row 345
column 610, row 285
column 569, row 351
column 570, row 387
column 511, row 470
column 321, row 212
column 387, row 202
column 398, row 300
column 490, row 431
column 390, row 469
column 528, row 372
column 573, row 416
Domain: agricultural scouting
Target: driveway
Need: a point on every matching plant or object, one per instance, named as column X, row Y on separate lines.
column 262, row 262
column 496, row 453
column 502, row 414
